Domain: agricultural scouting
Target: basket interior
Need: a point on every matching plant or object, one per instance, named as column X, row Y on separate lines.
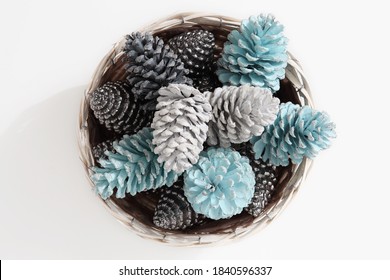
column 142, row 205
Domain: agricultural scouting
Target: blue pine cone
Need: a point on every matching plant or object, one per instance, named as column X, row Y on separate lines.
column 296, row 133
column 133, row 168
column 256, row 54
column 221, row 184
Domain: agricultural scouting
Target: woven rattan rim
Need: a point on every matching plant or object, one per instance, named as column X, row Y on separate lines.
column 184, row 21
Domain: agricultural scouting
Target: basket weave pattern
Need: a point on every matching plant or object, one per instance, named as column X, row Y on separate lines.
column 136, row 212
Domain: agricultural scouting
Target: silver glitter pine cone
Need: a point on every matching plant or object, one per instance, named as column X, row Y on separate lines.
column 117, row 109
column 266, row 180
column 173, row 211
column 195, row 49
column 99, row 150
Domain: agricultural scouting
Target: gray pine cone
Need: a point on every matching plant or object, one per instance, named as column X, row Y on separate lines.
column 195, row 49
column 265, row 174
column 180, row 126
column 99, row 149
column 240, row 113
column 118, row 110
column 151, row 65
column 173, row 211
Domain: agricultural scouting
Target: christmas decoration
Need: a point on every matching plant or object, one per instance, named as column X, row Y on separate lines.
column 195, row 49
column 151, row 65
column 220, row 184
column 132, row 169
column 297, row 132
column 173, row 211
column 240, row 113
column 183, row 138
column 265, row 174
column 180, row 126
column 256, row 54
column 118, row 110
column 99, row 150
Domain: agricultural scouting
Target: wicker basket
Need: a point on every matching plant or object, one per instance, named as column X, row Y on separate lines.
column 137, row 212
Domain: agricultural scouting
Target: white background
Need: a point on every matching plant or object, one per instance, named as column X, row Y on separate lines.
column 48, row 52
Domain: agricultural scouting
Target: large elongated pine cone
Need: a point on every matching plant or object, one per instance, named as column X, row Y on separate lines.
column 117, row 109
column 240, row 113
column 173, row 210
column 133, row 168
column 195, row 49
column 150, row 66
column 180, row 126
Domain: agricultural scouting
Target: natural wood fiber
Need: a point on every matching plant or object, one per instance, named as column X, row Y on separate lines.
column 137, row 212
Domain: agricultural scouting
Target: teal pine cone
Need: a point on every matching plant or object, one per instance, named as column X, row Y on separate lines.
column 296, row 133
column 256, row 54
column 133, row 168
column 221, row 184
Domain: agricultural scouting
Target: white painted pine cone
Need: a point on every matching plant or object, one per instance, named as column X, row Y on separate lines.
column 240, row 113
column 180, row 126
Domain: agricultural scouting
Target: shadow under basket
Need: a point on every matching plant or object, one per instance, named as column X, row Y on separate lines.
column 136, row 212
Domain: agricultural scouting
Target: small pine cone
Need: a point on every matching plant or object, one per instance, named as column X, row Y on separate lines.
column 265, row 174
column 180, row 126
column 150, row 66
column 99, row 150
column 173, row 211
column 118, row 110
column 195, row 49
column 240, row 113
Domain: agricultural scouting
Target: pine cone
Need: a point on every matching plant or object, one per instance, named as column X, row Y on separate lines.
column 208, row 81
column 296, row 132
column 118, row 110
column 99, row 150
column 256, row 55
column 195, row 49
column 173, row 211
column 240, row 113
column 220, row 184
column 180, row 126
column 151, row 65
column 265, row 174
column 132, row 169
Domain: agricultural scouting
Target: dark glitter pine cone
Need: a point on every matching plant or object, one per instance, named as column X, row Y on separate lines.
column 195, row 49
column 118, row 110
column 173, row 211
column 99, row 149
column 265, row 174
column 209, row 81
column 150, row 66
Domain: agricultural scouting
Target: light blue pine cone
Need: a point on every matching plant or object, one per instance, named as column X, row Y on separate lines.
column 221, row 184
column 256, row 54
column 133, row 168
column 296, row 133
